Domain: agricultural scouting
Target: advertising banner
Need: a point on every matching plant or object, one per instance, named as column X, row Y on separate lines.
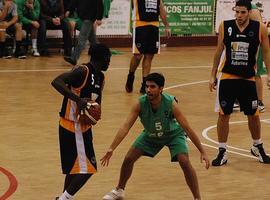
column 118, row 21
column 190, row 16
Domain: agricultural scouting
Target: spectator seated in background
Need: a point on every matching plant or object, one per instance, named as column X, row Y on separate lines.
column 52, row 17
column 73, row 20
column 28, row 13
column 9, row 25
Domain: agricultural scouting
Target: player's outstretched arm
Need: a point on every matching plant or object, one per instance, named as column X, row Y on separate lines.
column 191, row 134
column 121, row 134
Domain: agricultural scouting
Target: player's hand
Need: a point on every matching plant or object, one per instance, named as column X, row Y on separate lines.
column 35, row 24
column 204, row 158
column 98, row 22
column 168, row 32
column 82, row 104
column 105, row 160
column 212, row 84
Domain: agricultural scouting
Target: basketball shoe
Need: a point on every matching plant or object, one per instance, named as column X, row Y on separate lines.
column 115, row 194
column 20, row 53
column 221, row 158
column 261, row 106
column 258, row 151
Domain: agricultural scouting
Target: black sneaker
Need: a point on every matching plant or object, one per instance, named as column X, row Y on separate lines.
column 221, row 158
column 261, row 106
column 69, row 60
column 142, row 90
column 129, row 83
column 258, row 151
column 6, row 54
column 20, row 53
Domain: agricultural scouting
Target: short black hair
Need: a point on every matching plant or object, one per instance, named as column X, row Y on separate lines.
column 245, row 3
column 157, row 78
column 99, row 52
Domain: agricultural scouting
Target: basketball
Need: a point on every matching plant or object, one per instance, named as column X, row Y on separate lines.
column 91, row 114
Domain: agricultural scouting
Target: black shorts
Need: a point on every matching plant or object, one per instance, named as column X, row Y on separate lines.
column 242, row 90
column 146, row 40
column 77, row 152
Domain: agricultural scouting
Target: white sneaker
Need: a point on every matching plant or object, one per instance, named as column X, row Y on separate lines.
column 261, row 106
column 35, row 53
column 115, row 194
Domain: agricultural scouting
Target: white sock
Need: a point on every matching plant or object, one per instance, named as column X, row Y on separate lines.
column 256, row 142
column 66, row 196
column 222, row 145
column 34, row 43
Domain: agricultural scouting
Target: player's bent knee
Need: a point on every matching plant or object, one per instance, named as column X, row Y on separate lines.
column 128, row 161
column 183, row 160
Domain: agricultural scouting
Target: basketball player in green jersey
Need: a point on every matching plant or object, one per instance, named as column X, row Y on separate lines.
column 164, row 125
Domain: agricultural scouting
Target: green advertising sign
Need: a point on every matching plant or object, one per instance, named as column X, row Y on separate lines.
column 189, row 16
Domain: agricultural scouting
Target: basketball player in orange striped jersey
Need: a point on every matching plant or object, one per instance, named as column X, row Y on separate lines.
column 81, row 84
column 240, row 39
column 146, row 39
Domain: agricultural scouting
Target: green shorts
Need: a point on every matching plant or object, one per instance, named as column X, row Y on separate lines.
column 261, row 70
column 177, row 144
column 76, row 19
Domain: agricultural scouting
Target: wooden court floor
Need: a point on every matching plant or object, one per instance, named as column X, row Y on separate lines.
column 29, row 148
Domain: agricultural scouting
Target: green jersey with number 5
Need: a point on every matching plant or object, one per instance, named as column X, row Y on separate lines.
column 161, row 123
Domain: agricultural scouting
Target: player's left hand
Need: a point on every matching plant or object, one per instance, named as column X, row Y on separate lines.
column 168, row 32
column 98, row 22
column 204, row 158
column 106, row 158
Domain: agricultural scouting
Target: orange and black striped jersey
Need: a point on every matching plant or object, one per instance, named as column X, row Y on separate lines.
column 90, row 88
column 241, row 49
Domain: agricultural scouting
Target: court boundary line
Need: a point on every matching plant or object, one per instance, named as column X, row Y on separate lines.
column 110, row 69
column 205, row 135
column 13, row 183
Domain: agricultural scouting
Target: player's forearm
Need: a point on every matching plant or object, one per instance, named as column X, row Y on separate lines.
column 61, row 87
column 121, row 134
column 195, row 140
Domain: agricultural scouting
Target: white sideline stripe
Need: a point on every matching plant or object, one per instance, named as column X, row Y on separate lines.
column 235, row 152
column 115, row 68
column 186, row 84
column 205, row 135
